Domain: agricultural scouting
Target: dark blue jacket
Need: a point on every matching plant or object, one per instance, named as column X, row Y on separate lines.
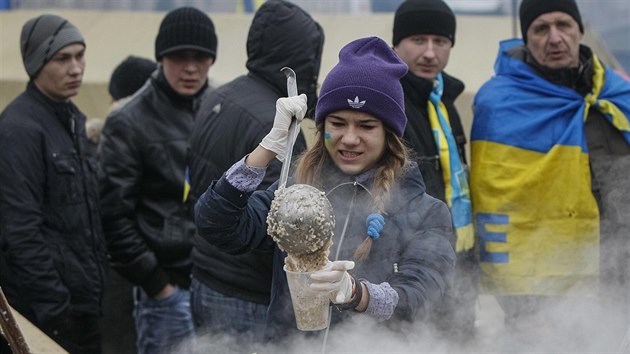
column 414, row 254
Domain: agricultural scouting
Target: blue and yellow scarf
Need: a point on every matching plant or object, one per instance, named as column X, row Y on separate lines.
column 453, row 172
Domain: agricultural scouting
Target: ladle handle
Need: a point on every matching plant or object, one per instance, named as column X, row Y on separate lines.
column 293, row 127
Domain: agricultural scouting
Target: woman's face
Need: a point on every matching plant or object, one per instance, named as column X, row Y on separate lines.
column 354, row 140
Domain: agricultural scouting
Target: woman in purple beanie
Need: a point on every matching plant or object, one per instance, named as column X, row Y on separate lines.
column 392, row 258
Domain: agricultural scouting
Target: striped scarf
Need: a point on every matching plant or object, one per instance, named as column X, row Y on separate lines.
column 455, row 176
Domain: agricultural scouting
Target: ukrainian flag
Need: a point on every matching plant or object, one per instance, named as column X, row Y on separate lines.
column 535, row 215
column 186, row 184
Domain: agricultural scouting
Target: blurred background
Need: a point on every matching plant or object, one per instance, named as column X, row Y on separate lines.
column 115, row 29
column 609, row 19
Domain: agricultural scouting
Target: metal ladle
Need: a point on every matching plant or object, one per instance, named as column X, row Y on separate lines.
column 300, row 219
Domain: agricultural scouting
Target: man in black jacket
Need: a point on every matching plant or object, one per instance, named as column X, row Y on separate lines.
column 231, row 293
column 424, row 33
column 53, row 251
column 143, row 154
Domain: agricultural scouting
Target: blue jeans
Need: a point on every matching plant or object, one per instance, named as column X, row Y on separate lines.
column 162, row 324
column 217, row 314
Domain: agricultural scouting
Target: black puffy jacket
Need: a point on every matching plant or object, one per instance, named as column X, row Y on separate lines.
column 143, row 154
column 52, row 243
column 418, row 133
column 233, row 121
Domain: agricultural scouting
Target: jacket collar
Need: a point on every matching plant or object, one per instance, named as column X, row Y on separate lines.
column 188, row 102
column 64, row 111
column 422, row 87
column 419, row 86
column 408, row 186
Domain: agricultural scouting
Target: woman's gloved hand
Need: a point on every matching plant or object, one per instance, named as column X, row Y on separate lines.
column 336, row 280
column 286, row 108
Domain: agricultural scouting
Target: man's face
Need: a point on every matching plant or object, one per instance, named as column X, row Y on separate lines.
column 61, row 77
column 554, row 40
column 187, row 70
column 426, row 55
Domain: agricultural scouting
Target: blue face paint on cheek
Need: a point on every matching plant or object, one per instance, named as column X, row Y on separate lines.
column 327, row 138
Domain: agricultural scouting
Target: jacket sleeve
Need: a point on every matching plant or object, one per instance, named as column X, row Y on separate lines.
column 234, row 221
column 120, row 183
column 22, row 192
column 427, row 261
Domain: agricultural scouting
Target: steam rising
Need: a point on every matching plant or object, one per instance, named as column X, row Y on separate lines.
column 576, row 326
column 565, row 325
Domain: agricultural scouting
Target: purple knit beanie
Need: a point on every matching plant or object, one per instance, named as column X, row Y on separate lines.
column 366, row 79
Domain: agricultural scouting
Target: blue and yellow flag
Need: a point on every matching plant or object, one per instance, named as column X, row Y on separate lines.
column 186, row 184
column 535, row 214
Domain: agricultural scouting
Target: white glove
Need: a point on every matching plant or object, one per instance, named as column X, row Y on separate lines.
column 286, row 108
column 335, row 280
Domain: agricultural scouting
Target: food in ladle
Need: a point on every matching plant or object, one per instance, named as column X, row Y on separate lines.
column 301, row 222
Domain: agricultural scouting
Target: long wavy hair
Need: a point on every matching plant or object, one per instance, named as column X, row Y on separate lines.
column 393, row 162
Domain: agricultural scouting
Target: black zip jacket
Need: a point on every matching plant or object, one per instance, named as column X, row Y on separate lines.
column 143, row 154
column 234, row 120
column 53, row 249
column 418, row 134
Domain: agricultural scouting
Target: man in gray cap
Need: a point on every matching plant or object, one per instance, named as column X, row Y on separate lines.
column 52, row 243
column 142, row 154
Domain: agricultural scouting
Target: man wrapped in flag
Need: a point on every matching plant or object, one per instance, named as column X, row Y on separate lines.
column 550, row 161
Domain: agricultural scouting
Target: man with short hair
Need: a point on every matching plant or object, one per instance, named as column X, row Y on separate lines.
column 143, row 154
column 50, row 228
column 550, row 157
column 423, row 35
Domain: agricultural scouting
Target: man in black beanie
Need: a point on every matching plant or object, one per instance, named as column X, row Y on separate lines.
column 551, row 155
column 423, row 35
column 50, row 228
column 142, row 155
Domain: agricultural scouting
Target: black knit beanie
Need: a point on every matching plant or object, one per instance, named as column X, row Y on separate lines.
column 186, row 28
column 531, row 9
column 424, row 17
column 129, row 76
column 42, row 37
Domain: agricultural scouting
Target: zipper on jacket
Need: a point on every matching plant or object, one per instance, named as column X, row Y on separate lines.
column 345, row 223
